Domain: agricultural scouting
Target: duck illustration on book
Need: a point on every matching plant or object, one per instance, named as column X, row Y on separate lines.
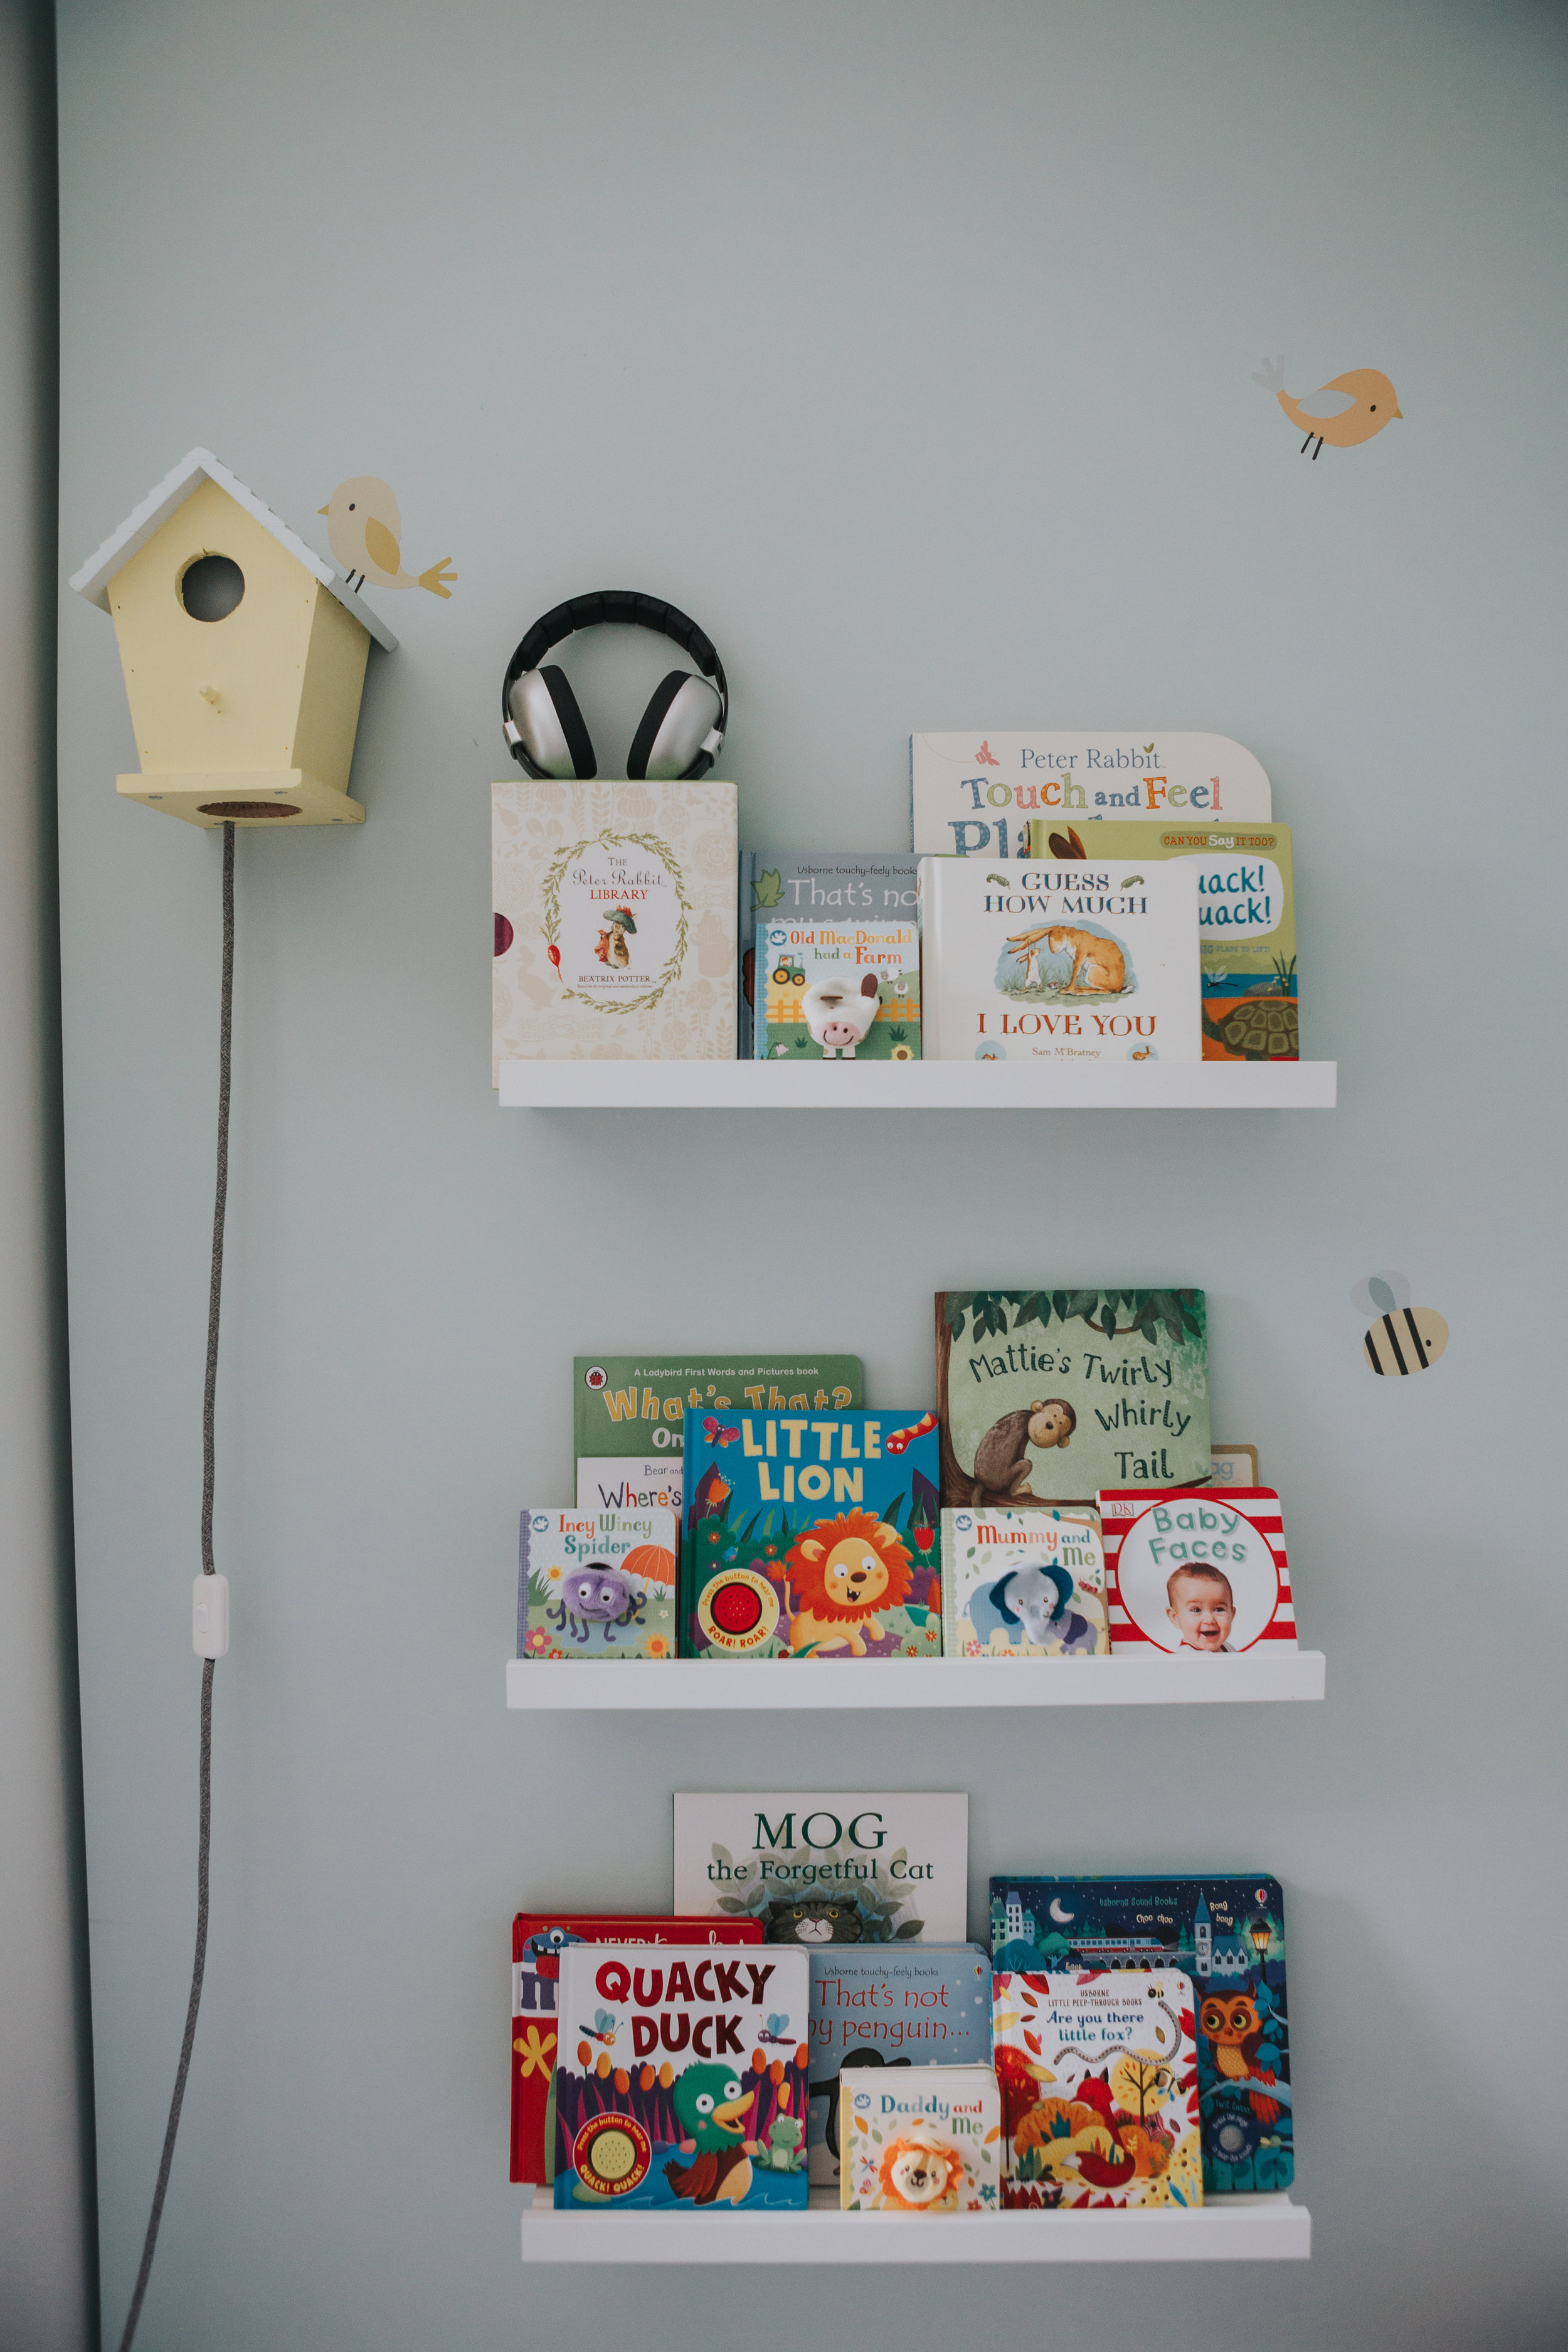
column 711, row 2105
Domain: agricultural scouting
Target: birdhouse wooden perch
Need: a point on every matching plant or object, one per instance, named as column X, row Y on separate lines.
column 244, row 655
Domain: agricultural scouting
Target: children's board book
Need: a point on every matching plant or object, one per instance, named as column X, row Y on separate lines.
column 1197, row 1574
column 1228, row 1936
column 812, row 1535
column 1246, row 921
column 823, row 1867
column 538, row 1940
column 680, row 2082
column 779, row 886
column 1100, row 2088
column 875, row 2011
column 1045, row 1396
column 926, row 2143
column 615, row 920
column 843, row 992
column 1066, row 964
column 1234, row 1466
column 1022, row 1584
column 598, row 1584
column 629, row 1414
column 976, row 795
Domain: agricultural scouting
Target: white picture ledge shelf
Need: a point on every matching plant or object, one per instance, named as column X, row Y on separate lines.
column 695, row 1686
column 917, row 1086
column 1235, row 2229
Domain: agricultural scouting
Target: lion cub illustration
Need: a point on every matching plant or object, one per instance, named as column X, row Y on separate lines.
column 1098, row 962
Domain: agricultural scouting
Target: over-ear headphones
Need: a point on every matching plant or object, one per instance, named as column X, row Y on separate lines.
column 679, row 733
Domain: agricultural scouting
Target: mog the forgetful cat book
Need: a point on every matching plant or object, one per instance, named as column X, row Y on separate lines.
column 631, row 1415
column 1022, row 1584
column 1100, row 2088
column 925, row 2143
column 824, row 1867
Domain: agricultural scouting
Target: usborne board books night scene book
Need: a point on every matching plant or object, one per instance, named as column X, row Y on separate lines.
column 680, row 2082
column 819, row 1867
column 1065, row 964
column 976, row 795
column 538, row 1940
column 812, row 1535
column 1045, row 1396
column 838, row 992
column 629, row 1414
column 879, row 2009
column 597, row 1584
column 1100, row 2088
column 1197, row 1574
column 1247, row 921
column 925, row 2143
column 1022, row 1584
column 781, row 886
column 1228, row 1936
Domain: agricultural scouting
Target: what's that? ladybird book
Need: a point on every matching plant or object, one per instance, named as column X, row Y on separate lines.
column 632, row 1415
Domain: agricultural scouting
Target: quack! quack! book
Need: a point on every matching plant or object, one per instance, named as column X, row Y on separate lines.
column 880, row 2011
column 812, row 1535
column 680, row 2082
column 598, row 1584
column 924, row 2144
column 1098, row 2078
column 1045, row 1396
column 1022, row 1584
column 838, row 992
column 782, row 886
column 1197, row 1575
column 977, row 795
column 630, row 1414
column 1227, row 1934
column 823, row 1868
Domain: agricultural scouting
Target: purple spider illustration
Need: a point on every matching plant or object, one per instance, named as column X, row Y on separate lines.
column 596, row 1595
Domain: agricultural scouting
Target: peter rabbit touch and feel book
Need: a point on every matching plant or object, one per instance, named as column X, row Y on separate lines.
column 976, row 795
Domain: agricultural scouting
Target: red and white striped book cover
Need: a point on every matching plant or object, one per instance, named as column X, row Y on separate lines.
column 1196, row 1571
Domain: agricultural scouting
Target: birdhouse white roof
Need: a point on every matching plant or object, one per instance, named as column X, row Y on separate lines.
column 198, row 466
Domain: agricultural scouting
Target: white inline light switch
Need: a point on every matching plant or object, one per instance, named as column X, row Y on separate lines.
column 209, row 1616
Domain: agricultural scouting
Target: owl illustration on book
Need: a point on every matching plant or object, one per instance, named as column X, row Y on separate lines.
column 1234, row 2031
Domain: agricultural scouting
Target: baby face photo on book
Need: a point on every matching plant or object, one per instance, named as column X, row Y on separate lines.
column 1199, row 1575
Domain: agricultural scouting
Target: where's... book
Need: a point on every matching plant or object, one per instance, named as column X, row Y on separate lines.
column 783, row 886
column 1100, row 2088
column 631, row 1415
column 1045, row 1396
column 1197, row 1574
column 821, row 1867
column 976, row 795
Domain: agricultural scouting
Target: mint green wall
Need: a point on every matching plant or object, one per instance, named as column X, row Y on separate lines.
column 909, row 347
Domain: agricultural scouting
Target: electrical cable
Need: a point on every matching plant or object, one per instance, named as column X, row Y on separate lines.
column 209, row 1399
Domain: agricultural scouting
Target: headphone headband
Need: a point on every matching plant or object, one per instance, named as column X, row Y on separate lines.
column 630, row 607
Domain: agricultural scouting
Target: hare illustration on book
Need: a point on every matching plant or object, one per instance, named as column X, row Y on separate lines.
column 1097, row 961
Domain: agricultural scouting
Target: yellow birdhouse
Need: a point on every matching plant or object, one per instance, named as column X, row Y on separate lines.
column 244, row 655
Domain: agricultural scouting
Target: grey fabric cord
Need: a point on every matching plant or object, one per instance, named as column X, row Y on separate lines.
column 209, row 1397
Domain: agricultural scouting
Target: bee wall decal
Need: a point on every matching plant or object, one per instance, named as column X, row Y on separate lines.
column 1404, row 1339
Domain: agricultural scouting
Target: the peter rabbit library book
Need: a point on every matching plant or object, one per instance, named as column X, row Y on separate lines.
column 1045, row 1396
column 598, row 1584
column 538, row 1940
column 1197, row 1575
column 838, row 992
column 782, row 886
column 877, row 2010
column 811, row 1535
column 921, row 2143
column 630, row 1414
column 680, row 2082
column 1063, row 963
column 1022, row 1584
column 976, row 795
column 615, row 920
column 1100, row 2088
column 1246, row 921
column 1228, row 1936
column 821, row 1867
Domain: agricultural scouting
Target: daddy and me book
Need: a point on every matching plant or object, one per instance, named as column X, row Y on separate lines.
column 782, row 886
column 924, row 2144
column 811, row 1534
column 1100, row 2088
column 838, row 992
column 822, row 1868
column 1022, row 1584
column 631, row 1415
column 877, row 2010
column 598, row 1584
column 1197, row 1574
column 976, row 795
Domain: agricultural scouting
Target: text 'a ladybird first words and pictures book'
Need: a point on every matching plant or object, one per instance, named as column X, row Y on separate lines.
column 846, row 991
column 786, row 886
column 1045, row 1396
column 1197, row 1574
column 1100, row 2088
column 632, row 1415
column 879, row 2010
column 823, row 1867
column 812, row 1535
column 976, row 795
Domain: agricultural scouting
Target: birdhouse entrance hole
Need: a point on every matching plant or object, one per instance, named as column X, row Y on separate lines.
column 211, row 587
column 246, row 808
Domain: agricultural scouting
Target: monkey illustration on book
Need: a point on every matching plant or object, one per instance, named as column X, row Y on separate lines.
column 1001, row 1460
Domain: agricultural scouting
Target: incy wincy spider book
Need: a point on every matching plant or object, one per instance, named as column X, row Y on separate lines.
column 877, row 2010
column 976, row 795
column 1022, row 1584
column 781, row 885
column 631, row 1415
column 597, row 1584
column 826, row 1867
column 1100, row 2088
column 925, row 2143
column 681, row 2080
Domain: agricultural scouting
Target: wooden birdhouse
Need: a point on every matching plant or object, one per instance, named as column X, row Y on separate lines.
column 244, row 654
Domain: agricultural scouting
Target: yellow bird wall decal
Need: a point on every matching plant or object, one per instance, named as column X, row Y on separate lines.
column 366, row 530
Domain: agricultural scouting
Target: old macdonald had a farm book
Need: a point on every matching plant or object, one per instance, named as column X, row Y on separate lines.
column 811, row 1535
column 1228, row 1936
column 822, row 1867
column 598, row 1584
column 615, row 920
column 1197, row 1575
column 630, row 1414
column 681, row 2079
column 976, row 795
column 1069, row 964
column 804, row 965
column 781, row 885
column 877, row 2010
column 1022, row 1584
column 924, row 2144
column 1045, row 1396
column 538, row 1940
column 1100, row 2088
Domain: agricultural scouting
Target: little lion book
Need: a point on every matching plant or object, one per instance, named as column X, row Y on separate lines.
column 819, row 1867
column 927, row 2143
column 838, row 992
column 1197, row 1574
column 812, row 1535
column 680, row 2083
column 1100, row 2088
column 597, row 1584
column 1022, row 1584
column 876, row 2009
column 782, row 886
column 1045, row 1396
column 629, row 1414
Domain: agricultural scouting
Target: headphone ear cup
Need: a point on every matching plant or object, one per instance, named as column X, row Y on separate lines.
column 550, row 726
column 683, row 711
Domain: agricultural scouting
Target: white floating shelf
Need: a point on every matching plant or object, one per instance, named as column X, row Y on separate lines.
column 917, row 1086
column 694, row 1685
column 1235, row 2230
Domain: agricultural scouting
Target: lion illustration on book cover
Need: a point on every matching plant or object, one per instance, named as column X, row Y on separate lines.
column 844, row 1570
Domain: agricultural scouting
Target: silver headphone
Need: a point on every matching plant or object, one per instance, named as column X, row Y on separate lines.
column 678, row 735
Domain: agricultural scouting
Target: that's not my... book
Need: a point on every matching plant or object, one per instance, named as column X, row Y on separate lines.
column 1100, row 2088
column 631, row 1415
column 597, row 1584
column 1197, row 1575
column 877, row 2011
column 1045, row 1396
column 1022, row 1584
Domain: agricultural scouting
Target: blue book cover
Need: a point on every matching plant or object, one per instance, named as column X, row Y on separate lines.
column 874, row 885
column 889, row 2005
column 1228, row 1936
column 812, row 1535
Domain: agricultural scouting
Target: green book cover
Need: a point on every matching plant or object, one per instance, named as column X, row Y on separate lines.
column 628, row 1414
